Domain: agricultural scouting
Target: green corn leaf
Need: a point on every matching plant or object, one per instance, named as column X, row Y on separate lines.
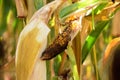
column 99, row 8
column 38, row 4
column 92, row 37
column 73, row 7
column 113, row 13
column 3, row 19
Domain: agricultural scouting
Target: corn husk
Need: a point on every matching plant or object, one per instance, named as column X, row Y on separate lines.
column 32, row 42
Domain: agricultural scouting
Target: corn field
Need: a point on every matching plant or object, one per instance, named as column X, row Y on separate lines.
column 59, row 40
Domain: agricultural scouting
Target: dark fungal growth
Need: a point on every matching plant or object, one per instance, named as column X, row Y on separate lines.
column 61, row 41
column 58, row 45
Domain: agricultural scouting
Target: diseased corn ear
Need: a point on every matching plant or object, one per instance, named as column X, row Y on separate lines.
column 61, row 41
column 32, row 42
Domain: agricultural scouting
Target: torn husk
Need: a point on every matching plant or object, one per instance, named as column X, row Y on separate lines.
column 32, row 42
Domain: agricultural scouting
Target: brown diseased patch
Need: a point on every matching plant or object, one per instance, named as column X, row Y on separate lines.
column 58, row 45
column 61, row 41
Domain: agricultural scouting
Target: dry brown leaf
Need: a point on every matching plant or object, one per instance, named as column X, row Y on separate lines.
column 107, row 60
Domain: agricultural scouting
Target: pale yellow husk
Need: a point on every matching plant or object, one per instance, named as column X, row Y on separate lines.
column 32, row 42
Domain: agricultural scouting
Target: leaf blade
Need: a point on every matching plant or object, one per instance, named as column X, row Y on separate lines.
column 78, row 5
column 92, row 37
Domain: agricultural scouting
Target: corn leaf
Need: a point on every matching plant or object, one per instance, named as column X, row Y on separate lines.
column 110, row 60
column 73, row 7
column 38, row 4
column 76, row 45
column 92, row 37
column 99, row 8
column 5, row 7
